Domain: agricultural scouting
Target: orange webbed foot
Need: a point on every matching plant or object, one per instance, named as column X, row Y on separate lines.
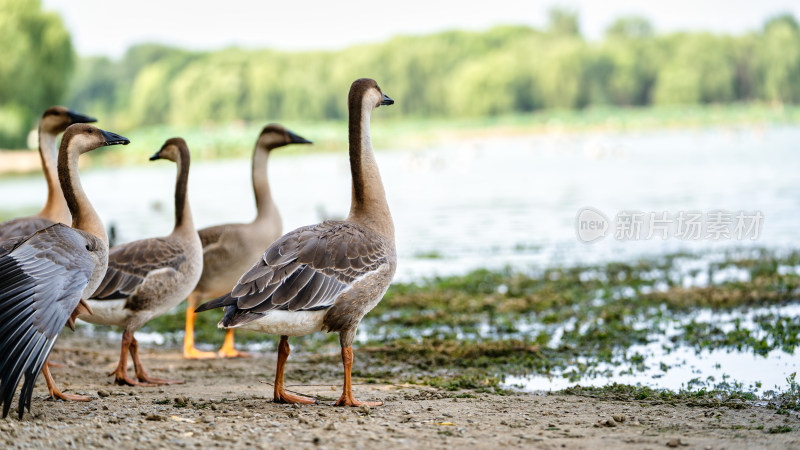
column 70, row 397
column 193, row 353
column 283, row 397
column 232, row 353
column 124, row 380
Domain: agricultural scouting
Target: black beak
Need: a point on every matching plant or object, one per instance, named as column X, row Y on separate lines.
column 295, row 139
column 114, row 139
column 76, row 117
column 386, row 100
column 156, row 156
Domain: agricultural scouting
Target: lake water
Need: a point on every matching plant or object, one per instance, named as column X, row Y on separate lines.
column 483, row 203
column 487, row 203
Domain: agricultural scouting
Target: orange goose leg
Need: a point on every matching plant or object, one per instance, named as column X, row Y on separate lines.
column 347, row 395
column 189, row 352
column 227, row 350
column 280, row 395
column 121, row 372
column 141, row 375
column 56, row 393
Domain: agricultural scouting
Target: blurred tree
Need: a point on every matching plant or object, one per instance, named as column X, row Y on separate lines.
column 503, row 70
column 631, row 27
column 35, row 68
column 631, row 55
column 780, row 59
column 563, row 22
column 699, row 68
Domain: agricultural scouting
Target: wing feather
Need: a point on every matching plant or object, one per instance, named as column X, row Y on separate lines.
column 23, row 226
column 42, row 278
column 129, row 264
column 306, row 269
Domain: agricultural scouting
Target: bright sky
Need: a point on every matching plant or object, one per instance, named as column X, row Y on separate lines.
column 102, row 27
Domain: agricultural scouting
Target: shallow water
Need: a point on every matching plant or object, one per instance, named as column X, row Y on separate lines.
column 667, row 366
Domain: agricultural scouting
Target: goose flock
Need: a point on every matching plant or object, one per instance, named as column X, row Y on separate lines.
column 57, row 267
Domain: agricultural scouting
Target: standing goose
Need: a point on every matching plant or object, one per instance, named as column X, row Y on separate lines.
column 45, row 277
column 229, row 250
column 324, row 277
column 147, row 278
column 54, row 121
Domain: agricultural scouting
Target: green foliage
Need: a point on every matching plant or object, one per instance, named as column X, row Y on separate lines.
column 700, row 69
column 35, row 68
column 502, row 71
column 631, row 27
column 779, row 52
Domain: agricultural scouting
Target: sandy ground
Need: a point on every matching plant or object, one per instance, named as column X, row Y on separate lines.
column 227, row 403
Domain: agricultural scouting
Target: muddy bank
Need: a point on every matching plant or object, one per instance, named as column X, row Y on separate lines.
column 226, row 403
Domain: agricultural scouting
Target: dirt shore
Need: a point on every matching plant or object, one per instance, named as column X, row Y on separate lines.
column 227, row 403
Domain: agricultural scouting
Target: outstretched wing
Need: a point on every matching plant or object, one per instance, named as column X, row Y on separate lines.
column 305, row 270
column 129, row 264
column 42, row 277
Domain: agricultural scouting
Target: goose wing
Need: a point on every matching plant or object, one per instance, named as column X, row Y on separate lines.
column 305, row 270
column 22, row 226
column 42, row 278
column 129, row 265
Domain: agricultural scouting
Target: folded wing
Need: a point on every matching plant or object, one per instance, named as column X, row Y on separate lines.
column 129, row 265
column 305, row 270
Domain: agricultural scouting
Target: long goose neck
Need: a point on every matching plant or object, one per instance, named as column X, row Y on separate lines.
column 265, row 205
column 55, row 208
column 84, row 216
column 368, row 205
column 183, row 213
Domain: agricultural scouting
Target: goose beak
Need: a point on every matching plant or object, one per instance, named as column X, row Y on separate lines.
column 114, row 139
column 295, row 139
column 386, row 100
column 156, row 156
column 76, row 117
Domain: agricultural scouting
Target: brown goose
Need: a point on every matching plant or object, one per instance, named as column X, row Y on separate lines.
column 45, row 276
column 229, row 250
column 54, row 121
column 147, row 278
column 324, row 277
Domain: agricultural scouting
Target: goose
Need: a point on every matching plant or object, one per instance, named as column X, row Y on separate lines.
column 147, row 278
column 229, row 250
column 45, row 276
column 54, row 121
column 324, row 277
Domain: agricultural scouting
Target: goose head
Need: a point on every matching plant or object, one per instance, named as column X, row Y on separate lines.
column 87, row 137
column 274, row 136
column 57, row 118
column 171, row 150
column 366, row 93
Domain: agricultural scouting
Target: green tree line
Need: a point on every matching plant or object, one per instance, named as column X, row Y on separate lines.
column 504, row 70
column 36, row 61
